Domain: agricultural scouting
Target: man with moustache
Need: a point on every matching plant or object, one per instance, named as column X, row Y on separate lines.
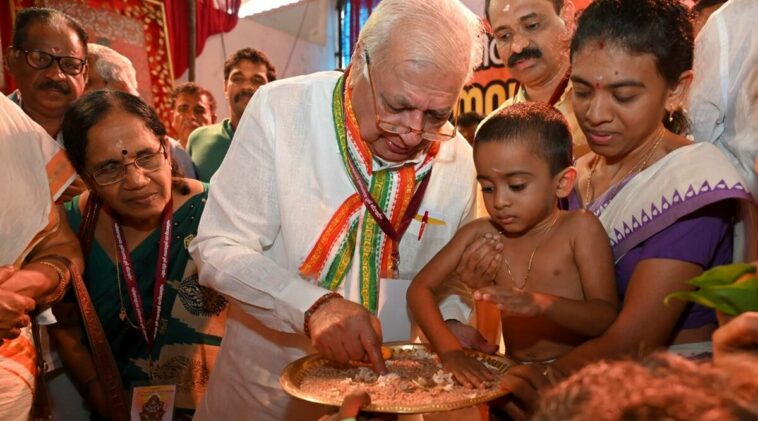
column 48, row 61
column 244, row 72
column 533, row 38
column 192, row 106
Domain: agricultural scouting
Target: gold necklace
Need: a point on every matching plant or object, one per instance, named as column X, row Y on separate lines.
column 531, row 258
column 637, row 167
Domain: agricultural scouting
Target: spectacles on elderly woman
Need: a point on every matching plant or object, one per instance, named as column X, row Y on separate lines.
column 435, row 135
column 113, row 173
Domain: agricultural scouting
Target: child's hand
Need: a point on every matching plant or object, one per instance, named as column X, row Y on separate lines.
column 513, row 301
column 469, row 371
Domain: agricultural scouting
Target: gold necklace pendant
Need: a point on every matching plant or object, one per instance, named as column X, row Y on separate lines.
column 640, row 165
column 122, row 314
column 531, row 258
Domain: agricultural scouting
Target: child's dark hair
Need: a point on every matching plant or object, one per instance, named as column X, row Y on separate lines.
column 537, row 125
column 659, row 27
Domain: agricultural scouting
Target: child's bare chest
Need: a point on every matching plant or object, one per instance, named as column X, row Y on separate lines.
column 549, row 268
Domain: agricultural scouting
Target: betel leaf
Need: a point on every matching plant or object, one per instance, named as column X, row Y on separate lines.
column 718, row 289
column 722, row 275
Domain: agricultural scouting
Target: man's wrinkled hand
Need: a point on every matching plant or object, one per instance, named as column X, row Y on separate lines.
column 480, row 261
column 469, row 337
column 344, row 331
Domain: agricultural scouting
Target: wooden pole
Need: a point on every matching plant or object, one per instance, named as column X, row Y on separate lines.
column 192, row 38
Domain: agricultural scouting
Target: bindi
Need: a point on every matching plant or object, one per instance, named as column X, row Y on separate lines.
column 124, row 152
column 601, row 44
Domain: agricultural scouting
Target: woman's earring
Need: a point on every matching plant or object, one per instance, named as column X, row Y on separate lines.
column 671, row 116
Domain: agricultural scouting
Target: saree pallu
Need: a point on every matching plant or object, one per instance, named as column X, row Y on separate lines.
column 192, row 320
column 642, row 205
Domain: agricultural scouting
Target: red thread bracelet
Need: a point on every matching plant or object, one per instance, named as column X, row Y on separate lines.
column 308, row 313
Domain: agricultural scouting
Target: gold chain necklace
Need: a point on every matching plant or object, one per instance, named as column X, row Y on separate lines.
column 531, row 258
column 639, row 166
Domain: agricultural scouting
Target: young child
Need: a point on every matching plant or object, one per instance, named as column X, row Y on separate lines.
column 555, row 287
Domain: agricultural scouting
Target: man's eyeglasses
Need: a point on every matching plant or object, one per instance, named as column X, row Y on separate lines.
column 437, row 135
column 114, row 173
column 41, row 60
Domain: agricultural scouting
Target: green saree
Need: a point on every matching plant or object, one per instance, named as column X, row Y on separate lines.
column 192, row 319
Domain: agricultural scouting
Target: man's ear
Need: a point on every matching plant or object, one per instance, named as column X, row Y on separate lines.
column 565, row 182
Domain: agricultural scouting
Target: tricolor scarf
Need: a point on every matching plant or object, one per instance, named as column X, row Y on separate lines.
column 352, row 225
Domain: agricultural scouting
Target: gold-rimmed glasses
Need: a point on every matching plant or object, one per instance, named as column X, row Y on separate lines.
column 437, row 135
column 113, row 173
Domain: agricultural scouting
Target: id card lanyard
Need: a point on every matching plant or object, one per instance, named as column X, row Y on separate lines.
column 381, row 219
column 148, row 328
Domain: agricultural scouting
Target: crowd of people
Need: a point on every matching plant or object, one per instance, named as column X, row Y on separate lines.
column 206, row 256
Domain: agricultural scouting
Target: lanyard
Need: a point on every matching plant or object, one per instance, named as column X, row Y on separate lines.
column 379, row 216
column 149, row 328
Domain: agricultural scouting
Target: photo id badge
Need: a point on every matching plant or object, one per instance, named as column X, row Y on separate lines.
column 153, row 403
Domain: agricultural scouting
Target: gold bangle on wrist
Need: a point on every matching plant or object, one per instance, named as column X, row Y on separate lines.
column 53, row 266
column 60, row 289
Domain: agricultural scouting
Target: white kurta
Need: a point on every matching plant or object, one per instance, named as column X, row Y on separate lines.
column 277, row 188
column 723, row 104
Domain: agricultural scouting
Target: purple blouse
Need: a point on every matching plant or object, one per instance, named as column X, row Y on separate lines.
column 704, row 237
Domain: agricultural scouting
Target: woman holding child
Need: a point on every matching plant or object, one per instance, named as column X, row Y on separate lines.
column 135, row 225
column 668, row 206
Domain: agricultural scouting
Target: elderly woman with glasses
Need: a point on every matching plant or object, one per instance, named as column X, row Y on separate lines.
column 135, row 223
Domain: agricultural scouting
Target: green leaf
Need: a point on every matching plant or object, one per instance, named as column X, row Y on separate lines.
column 731, row 299
column 722, row 275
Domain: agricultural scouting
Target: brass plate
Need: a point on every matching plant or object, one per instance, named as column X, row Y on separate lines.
column 294, row 373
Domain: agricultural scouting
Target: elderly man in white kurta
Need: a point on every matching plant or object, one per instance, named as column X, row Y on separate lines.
column 325, row 174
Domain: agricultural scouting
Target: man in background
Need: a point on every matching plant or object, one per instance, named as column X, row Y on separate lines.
column 48, row 61
column 533, row 39
column 192, row 106
column 244, row 72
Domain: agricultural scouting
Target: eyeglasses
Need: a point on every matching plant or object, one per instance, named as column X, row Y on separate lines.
column 114, row 173
column 438, row 135
column 41, row 60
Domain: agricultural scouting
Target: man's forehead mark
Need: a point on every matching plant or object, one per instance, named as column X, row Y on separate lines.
column 601, row 44
column 56, row 49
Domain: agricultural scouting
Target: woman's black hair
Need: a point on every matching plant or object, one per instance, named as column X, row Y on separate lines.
column 659, row 27
column 92, row 108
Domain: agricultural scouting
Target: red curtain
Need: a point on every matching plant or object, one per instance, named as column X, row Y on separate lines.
column 209, row 21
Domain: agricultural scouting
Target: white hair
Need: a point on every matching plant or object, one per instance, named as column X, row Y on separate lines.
column 442, row 32
column 113, row 66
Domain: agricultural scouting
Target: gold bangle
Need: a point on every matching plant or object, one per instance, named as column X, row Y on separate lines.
column 60, row 289
column 53, row 266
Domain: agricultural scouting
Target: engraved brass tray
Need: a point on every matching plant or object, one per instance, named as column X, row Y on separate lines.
column 294, row 374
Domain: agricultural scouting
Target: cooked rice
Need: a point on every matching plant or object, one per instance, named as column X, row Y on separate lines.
column 414, row 377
